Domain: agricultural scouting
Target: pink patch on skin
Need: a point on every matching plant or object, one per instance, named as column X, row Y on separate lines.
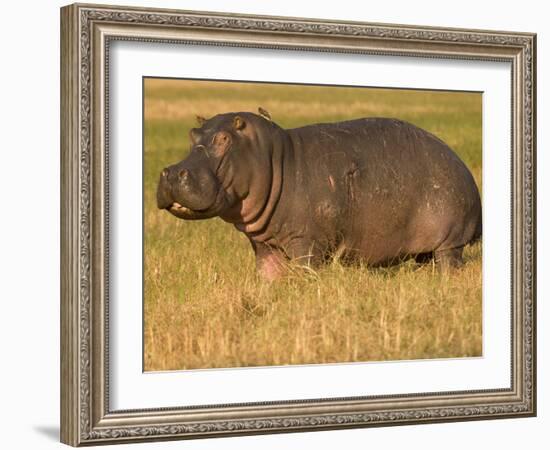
column 270, row 267
column 331, row 183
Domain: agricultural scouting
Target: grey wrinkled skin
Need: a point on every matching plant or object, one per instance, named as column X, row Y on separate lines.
column 375, row 190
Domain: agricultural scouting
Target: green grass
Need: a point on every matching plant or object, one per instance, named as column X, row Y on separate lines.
column 206, row 307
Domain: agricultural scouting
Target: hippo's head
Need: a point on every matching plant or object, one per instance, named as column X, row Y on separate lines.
column 229, row 155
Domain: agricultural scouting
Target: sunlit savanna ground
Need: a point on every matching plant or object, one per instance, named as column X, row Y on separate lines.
column 205, row 306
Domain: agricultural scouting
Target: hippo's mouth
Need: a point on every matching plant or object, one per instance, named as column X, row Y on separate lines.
column 177, row 208
column 187, row 213
column 183, row 212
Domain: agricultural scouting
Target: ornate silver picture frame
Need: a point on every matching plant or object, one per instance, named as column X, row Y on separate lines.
column 87, row 33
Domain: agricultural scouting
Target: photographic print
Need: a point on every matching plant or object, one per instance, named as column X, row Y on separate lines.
column 289, row 224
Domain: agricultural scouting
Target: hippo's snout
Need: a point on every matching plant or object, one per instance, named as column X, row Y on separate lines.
column 191, row 189
column 164, row 192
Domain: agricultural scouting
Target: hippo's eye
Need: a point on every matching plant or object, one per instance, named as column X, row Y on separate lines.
column 195, row 135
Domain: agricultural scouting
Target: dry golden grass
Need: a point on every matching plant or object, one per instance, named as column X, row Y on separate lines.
column 230, row 318
column 205, row 306
column 162, row 109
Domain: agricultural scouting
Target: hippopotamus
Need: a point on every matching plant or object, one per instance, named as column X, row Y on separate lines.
column 373, row 190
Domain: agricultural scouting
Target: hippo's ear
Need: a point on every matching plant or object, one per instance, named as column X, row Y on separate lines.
column 264, row 113
column 238, row 123
column 200, row 120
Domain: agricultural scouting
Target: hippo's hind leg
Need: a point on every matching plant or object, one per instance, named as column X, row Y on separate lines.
column 449, row 258
column 423, row 258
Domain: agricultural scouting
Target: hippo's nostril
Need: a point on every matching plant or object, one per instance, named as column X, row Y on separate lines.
column 165, row 173
column 184, row 174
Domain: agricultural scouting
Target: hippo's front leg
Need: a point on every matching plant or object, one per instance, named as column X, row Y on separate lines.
column 270, row 262
column 304, row 252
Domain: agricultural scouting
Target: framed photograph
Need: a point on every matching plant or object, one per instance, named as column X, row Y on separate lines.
column 277, row 225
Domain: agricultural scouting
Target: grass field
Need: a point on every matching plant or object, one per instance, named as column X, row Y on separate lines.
column 204, row 305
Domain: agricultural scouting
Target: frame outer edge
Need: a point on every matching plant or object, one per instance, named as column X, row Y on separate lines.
column 80, row 424
column 533, row 168
column 535, row 160
column 70, row 299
